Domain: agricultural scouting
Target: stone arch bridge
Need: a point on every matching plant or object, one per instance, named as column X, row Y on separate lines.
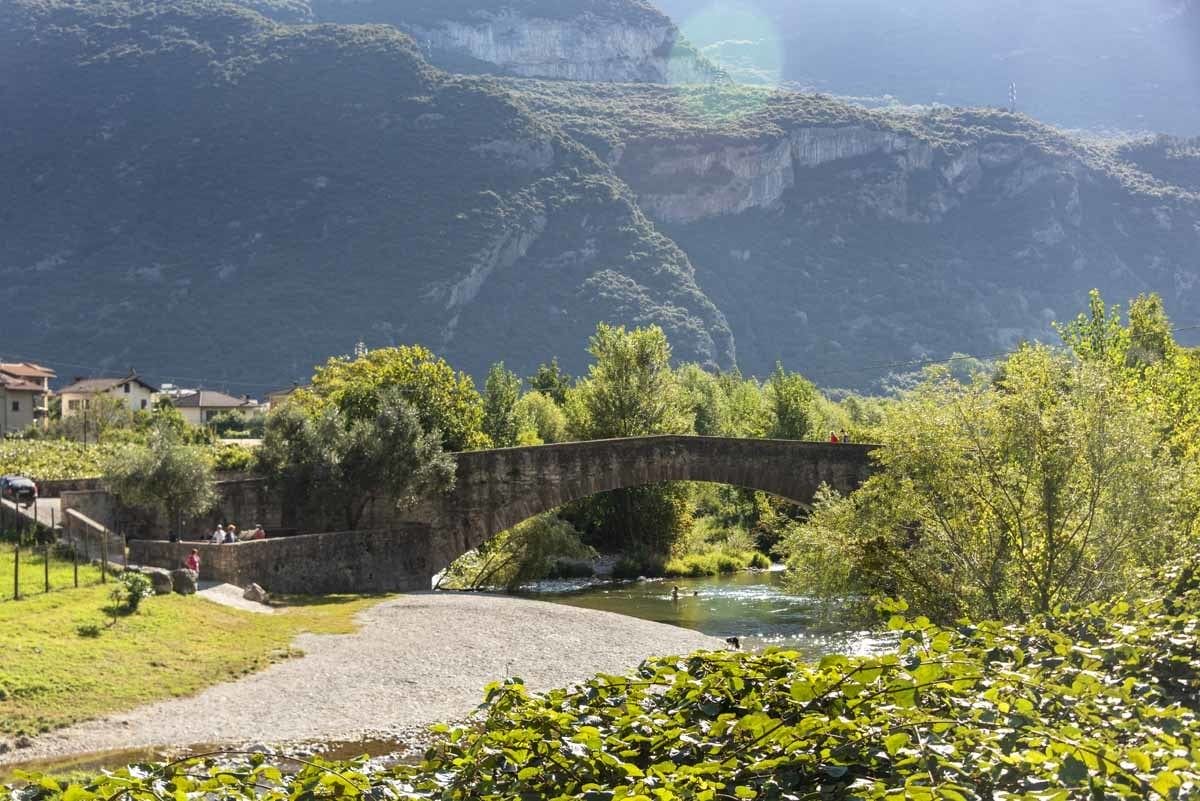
column 497, row 489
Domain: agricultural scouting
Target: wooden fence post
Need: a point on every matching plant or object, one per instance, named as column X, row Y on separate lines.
column 17, row 571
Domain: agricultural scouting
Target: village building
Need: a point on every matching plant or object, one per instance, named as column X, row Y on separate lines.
column 200, row 406
column 24, row 396
column 132, row 391
column 276, row 399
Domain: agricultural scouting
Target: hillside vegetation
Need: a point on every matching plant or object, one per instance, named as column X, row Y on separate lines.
column 250, row 198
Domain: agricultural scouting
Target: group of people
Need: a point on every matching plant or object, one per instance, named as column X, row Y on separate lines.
column 227, row 535
column 836, row 438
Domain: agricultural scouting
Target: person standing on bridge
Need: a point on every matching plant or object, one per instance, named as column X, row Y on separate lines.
column 843, row 437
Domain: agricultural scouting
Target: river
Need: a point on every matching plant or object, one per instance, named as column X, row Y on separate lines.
column 753, row 606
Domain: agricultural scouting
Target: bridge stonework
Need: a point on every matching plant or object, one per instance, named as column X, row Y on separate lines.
column 497, row 489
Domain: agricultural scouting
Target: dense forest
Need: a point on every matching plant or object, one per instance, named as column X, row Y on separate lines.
column 481, row 213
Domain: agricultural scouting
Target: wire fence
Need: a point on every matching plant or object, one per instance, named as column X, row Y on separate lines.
column 32, row 562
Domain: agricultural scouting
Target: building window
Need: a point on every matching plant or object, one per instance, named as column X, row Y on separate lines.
column 16, row 406
column 144, row 403
column 126, row 389
column 73, row 405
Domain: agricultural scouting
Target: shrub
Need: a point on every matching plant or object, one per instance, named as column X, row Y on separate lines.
column 759, row 561
column 137, row 586
column 1086, row 703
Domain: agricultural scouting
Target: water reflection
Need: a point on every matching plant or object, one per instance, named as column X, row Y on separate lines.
column 754, row 607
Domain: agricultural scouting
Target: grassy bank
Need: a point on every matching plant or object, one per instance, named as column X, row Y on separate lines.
column 32, row 575
column 715, row 563
column 64, row 662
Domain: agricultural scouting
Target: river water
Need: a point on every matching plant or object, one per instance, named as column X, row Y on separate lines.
column 753, row 606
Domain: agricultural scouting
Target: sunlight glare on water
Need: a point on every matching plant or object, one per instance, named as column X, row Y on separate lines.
column 754, row 607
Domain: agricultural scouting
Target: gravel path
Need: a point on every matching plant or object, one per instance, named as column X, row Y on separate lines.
column 416, row 660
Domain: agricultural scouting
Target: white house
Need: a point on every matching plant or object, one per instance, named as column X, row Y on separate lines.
column 135, row 393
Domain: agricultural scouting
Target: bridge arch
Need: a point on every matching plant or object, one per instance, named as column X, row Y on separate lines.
column 497, row 489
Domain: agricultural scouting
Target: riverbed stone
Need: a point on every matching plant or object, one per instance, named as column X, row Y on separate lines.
column 184, row 581
column 160, row 578
column 255, row 593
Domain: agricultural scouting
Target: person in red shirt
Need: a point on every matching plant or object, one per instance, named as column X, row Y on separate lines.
column 833, row 440
column 192, row 562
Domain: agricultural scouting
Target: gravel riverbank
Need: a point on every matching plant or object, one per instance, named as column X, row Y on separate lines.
column 416, row 660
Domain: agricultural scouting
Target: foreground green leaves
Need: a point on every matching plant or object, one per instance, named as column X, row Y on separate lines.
column 1091, row 703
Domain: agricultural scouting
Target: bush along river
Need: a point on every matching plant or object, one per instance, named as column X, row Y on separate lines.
column 753, row 606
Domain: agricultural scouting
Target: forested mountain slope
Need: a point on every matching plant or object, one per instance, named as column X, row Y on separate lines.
column 197, row 191
column 834, row 237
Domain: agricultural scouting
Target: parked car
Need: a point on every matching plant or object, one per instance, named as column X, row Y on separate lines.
column 18, row 489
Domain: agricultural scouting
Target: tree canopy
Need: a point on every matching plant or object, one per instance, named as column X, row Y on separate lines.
column 446, row 402
column 328, row 466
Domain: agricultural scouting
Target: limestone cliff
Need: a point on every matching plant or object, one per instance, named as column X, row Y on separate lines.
column 580, row 41
column 831, row 235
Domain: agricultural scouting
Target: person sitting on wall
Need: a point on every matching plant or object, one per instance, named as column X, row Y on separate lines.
column 231, row 535
column 259, row 532
column 833, row 438
column 192, row 562
column 218, row 535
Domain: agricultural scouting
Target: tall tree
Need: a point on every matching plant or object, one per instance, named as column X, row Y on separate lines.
column 446, row 402
column 1004, row 497
column 328, row 466
column 165, row 475
column 501, row 392
column 630, row 391
column 552, row 381
column 790, row 398
column 541, row 418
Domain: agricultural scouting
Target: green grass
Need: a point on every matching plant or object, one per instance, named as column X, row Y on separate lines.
column 63, row 661
column 714, row 563
column 33, row 572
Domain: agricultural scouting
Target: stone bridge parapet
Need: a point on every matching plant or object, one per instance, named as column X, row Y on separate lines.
column 497, row 489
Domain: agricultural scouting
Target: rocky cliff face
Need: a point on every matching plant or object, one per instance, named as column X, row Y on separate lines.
column 834, row 239
column 273, row 194
column 515, row 39
column 579, row 50
column 689, row 182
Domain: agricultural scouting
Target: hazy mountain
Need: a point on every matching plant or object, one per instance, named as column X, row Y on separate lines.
column 208, row 195
column 1110, row 64
column 836, row 238
column 195, row 191
column 587, row 40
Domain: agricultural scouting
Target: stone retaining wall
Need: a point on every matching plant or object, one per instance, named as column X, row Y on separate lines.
column 241, row 501
column 391, row 560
